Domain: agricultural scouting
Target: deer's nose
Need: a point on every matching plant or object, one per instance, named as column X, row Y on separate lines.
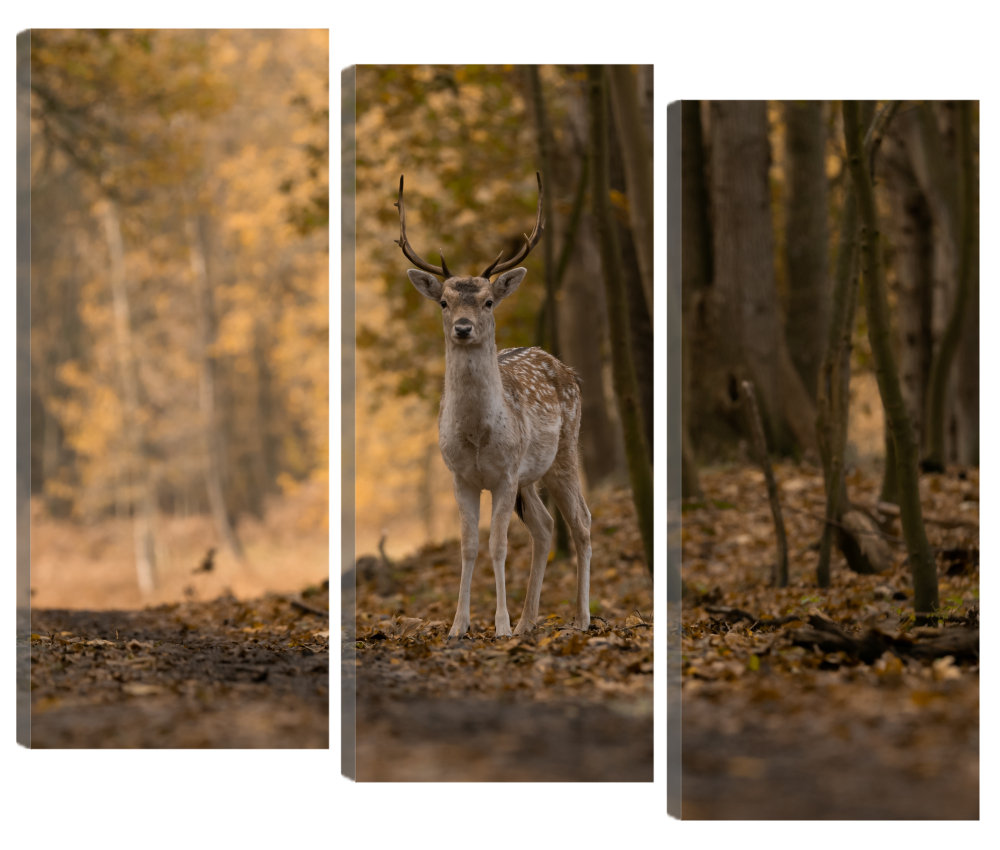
column 463, row 328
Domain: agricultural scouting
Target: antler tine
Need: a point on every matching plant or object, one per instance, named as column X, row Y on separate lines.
column 444, row 266
column 530, row 241
column 404, row 243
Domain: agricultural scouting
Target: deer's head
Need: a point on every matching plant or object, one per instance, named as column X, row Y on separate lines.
column 467, row 303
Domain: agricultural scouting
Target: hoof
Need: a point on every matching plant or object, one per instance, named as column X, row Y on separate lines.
column 523, row 628
column 458, row 630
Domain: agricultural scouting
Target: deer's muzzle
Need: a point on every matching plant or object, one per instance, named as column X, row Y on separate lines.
column 462, row 329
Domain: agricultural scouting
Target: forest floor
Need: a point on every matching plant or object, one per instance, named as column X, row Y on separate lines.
column 557, row 704
column 92, row 565
column 221, row 674
column 779, row 724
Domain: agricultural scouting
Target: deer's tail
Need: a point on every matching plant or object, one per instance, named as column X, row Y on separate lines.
column 519, row 506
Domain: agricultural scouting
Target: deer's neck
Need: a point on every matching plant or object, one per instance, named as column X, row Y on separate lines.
column 473, row 391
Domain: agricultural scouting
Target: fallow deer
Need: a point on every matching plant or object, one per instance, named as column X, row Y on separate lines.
column 506, row 422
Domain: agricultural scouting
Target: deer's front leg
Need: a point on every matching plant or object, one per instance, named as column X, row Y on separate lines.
column 503, row 506
column 468, row 508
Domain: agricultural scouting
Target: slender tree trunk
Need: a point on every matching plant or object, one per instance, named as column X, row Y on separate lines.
column 696, row 276
column 640, row 470
column 967, row 389
column 583, row 328
column 586, row 343
column 543, row 132
column 206, row 396
column 141, row 495
column 941, row 367
column 922, row 562
column 855, row 532
column 640, row 321
column 833, row 389
column 637, row 158
column 890, row 480
column 806, row 239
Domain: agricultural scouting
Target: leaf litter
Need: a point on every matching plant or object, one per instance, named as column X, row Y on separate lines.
column 225, row 673
column 554, row 704
column 837, row 697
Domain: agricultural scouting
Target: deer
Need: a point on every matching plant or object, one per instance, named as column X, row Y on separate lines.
column 506, row 422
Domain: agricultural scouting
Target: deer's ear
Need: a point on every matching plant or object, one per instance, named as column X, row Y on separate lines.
column 507, row 283
column 426, row 284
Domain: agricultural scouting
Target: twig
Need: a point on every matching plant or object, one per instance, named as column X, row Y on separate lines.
column 736, row 614
column 823, row 519
column 876, row 532
column 295, row 602
column 780, row 577
column 947, row 522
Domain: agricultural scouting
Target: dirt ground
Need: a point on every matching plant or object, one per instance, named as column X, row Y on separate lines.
column 557, row 704
column 776, row 726
column 91, row 566
column 220, row 674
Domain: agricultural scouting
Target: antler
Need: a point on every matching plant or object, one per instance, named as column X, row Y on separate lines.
column 531, row 241
column 404, row 243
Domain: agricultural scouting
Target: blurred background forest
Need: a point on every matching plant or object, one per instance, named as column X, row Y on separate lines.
column 179, row 322
column 764, row 194
column 469, row 140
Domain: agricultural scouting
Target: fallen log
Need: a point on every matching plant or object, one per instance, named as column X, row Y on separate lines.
column 961, row 643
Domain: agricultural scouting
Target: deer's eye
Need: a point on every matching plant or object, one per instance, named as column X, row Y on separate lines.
column 489, row 303
column 444, row 304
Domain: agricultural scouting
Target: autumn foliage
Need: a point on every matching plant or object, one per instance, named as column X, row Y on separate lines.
column 179, row 279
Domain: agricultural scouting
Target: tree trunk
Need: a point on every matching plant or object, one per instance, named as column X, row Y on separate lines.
column 743, row 241
column 640, row 470
column 930, row 147
column 696, row 275
column 890, row 481
column 806, row 239
column 640, row 320
column 583, row 328
column 910, row 227
column 206, row 396
column 139, row 484
column 921, row 558
column 833, row 388
column 967, row 389
column 585, row 340
column 637, row 158
column 941, row 367
column 543, row 133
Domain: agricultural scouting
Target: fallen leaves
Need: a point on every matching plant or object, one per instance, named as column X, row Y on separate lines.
column 846, row 663
column 402, row 642
column 197, row 663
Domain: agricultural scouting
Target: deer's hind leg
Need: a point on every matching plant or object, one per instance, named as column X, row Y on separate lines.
column 563, row 482
column 540, row 526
